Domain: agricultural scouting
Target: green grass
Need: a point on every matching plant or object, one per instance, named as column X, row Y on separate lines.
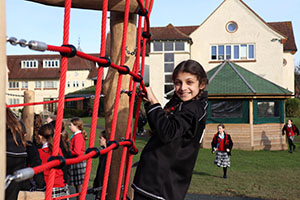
column 257, row 174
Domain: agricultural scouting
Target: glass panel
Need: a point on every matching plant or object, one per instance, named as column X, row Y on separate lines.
column 157, row 46
column 179, row 46
column 169, row 67
column 228, row 52
column 221, row 52
column 268, row 109
column 168, row 46
column 213, row 52
column 168, row 78
column 231, row 27
column 168, row 88
column 251, row 51
column 169, row 57
column 243, row 51
column 226, row 109
column 236, row 52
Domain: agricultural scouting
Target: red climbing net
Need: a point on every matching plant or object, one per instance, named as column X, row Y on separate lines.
column 129, row 148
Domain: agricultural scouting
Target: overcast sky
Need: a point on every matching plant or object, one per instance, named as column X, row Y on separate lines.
column 32, row 21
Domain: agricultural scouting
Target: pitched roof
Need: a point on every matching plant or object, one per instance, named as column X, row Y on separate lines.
column 169, row 32
column 286, row 28
column 229, row 78
column 16, row 72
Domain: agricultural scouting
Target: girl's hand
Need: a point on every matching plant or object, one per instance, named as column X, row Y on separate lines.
column 227, row 150
column 150, row 97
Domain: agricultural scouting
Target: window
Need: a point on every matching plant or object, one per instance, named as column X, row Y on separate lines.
column 13, row 101
column 82, row 83
column 27, row 64
column 38, row 84
column 50, row 84
column 25, row 84
column 75, row 84
column 51, row 63
column 13, row 85
column 169, row 66
column 267, row 109
column 179, row 46
column 221, row 52
column 213, row 52
column 68, row 84
column 169, row 46
column 226, row 109
column 228, row 52
column 235, row 52
column 157, row 46
column 231, row 27
column 284, row 62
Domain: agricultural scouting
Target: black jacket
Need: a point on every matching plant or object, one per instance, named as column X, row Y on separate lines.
column 228, row 144
column 167, row 161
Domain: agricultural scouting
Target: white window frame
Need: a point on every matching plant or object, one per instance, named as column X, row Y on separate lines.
column 29, row 64
column 13, row 101
column 171, row 41
column 13, row 85
column 38, row 84
column 55, row 63
column 24, row 84
column 232, row 53
column 50, row 84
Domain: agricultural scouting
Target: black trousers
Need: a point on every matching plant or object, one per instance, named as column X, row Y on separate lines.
column 291, row 144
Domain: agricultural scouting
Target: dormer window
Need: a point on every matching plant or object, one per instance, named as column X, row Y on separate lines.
column 28, row 64
column 51, row 63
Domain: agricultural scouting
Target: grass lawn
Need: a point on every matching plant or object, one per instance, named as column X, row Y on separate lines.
column 261, row 174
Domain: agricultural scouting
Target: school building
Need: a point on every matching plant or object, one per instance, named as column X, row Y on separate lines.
column 250, row 65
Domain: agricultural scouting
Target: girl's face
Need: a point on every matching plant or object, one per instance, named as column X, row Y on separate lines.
column 73, row 128
column 187, row 86
column 220, row 129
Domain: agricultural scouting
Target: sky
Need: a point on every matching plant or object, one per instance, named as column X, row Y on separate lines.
column 33, row 21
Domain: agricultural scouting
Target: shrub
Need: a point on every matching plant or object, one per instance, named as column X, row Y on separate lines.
column 292, row 107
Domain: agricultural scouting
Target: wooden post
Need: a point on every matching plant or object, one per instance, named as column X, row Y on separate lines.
column 28, row 114
column 109, row 90
column 3, row 78
column 251, row 123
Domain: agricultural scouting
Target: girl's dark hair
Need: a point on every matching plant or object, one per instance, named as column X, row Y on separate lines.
column 222, row 125
column 192, row 67
column 64, row 135
column 13, row 123
column 47, row 132
column 37, row 123
column 79, row 124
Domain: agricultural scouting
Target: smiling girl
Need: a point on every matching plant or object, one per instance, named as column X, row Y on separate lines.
column 166, row 165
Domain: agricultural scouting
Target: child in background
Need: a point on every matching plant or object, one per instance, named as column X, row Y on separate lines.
column 60, row 188
column 222, row 144
column 167, row 161
column 77, row 147
column 291, row 130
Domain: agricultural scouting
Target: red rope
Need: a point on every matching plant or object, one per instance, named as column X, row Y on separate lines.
column 44, row 102
column 61, row 98
column 96, row 102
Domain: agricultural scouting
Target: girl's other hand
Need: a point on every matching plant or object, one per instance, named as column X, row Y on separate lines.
column 150, row 97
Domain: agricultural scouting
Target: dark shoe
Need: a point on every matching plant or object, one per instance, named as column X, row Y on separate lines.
column 290, row 151
column 294, row 148
column 225, row 176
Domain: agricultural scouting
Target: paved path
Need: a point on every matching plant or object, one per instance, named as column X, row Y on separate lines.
column 189, row 197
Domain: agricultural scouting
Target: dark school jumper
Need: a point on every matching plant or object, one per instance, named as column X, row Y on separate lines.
column 167, row 161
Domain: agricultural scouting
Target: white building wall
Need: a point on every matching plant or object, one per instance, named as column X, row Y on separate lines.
column 251, row 30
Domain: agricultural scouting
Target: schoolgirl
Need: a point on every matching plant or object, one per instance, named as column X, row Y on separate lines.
column 77, row 147
column 15, row 152
column 60, row 188
column 222, row 144
column 291, row 130
column 166, row 165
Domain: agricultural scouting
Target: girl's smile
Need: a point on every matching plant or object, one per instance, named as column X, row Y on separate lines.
column 187, row 86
